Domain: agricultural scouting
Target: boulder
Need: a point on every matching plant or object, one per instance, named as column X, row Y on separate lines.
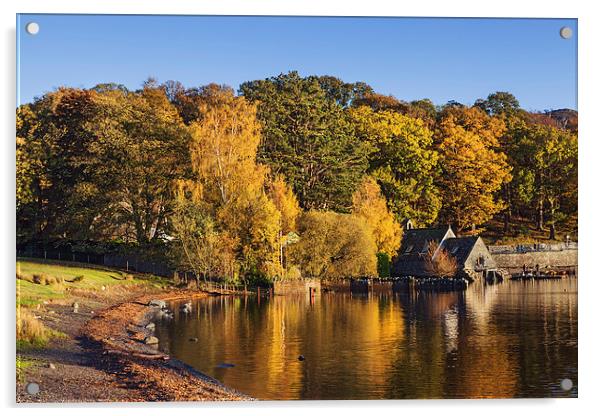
column 158, row 303
column 151, row 340
column 186, row 308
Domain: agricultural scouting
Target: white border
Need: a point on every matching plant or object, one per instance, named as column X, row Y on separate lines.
column 590, row 205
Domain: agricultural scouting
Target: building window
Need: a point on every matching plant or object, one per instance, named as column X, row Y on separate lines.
column 481, row 261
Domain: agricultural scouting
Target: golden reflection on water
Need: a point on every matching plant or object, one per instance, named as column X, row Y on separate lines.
column 517, row 339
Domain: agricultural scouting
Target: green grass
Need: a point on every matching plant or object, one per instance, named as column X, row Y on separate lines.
column 29, row 293
column 21, row 365
column 39, row 342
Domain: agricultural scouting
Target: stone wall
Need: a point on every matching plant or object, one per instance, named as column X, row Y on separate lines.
column 480, row 251
column 555, row 259
column 294, row 287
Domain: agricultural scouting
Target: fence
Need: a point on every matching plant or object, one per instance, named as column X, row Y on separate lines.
column 532, row 248
column 127, row 262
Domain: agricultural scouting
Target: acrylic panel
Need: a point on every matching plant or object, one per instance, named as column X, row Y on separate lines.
column 295, row 208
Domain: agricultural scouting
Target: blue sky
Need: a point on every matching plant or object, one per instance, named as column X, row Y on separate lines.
column 410, row 58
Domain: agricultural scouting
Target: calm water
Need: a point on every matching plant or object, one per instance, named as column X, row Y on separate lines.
column 516, row 339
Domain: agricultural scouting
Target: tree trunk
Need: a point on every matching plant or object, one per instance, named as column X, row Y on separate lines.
column 552, row 230
column 540, row 214
column 553, row 206
column 281, row 254
column 508, row 212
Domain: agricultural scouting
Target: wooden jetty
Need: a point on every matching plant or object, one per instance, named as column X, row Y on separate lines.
column 430, row 284
column 542, row 275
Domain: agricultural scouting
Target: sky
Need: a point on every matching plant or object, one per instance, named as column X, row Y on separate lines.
column 410, row 58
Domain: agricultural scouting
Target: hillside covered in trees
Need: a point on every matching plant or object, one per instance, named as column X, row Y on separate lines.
column 288, row 176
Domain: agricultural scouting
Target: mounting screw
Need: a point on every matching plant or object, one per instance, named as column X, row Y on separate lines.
column 566, row 384
column 32, row 388
column 566, row 32
column 32, row 28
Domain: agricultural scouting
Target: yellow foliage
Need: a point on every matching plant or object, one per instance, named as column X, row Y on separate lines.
column 257, row 227
column 225, row 210
column 224, row 149
column 369, row 204
column 473, row 170
column 286, row 202
column 403, row 162
column 334, row 245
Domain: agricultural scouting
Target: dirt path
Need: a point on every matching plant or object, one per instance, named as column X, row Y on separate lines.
column 104, row 359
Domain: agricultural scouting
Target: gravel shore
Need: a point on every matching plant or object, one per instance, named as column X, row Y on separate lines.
column 104, row 357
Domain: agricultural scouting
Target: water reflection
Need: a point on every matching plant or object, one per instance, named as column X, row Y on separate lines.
column 517, row 339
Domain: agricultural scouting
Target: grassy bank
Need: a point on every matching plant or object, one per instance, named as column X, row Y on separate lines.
column 100, row 345
column 42, row 282
column 39, row 280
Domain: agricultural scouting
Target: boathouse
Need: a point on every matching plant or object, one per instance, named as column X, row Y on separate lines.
column 471, row 254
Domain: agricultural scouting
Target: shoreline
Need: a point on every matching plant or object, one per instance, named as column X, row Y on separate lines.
column 124, row 338
column 104, row 358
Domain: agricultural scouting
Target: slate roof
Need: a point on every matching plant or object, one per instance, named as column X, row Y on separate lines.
column 410, row 265
column 415, row 240
column 460, row 248
column 410, row 260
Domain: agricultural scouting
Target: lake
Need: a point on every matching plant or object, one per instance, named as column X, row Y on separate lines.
column 514, row 339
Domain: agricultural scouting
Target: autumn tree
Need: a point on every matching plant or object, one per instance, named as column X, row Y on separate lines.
column 380, row 102
column 287, row 205
column 201, row 247
column 556, row 162
column 140, row 153
column 105, row 163
column 308, row 138
column 223, row 153
column 370, row 205
column 473, row 169
column 190, row 101
column 425, row 110
column 439, row 262
column 545, row 160
column 27, row 155
column 334, row 245
column 32, row 181
column 403, row 162
column 53, row 151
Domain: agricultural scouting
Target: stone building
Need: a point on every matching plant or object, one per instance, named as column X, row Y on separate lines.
column 471, row 254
